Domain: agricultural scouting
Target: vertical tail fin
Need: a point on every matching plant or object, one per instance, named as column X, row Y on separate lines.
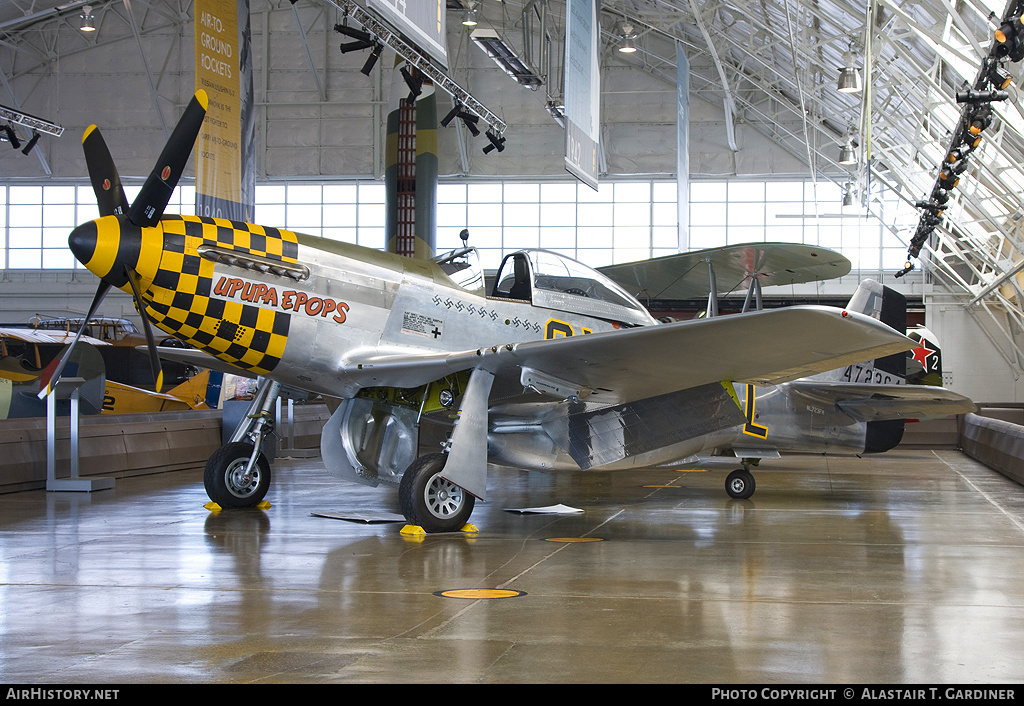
column 890, row 307
column 924, row 363
column 193, row 391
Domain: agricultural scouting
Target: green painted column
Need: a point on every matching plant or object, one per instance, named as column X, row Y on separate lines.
column 410, row 174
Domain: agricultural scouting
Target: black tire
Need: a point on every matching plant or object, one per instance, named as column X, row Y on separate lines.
column 225, row 479
column 429, row 501
column 740, row 484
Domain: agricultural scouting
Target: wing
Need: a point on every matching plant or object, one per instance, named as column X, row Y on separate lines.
column 198, row 358
column 870, row 403
column 763, row 348
column 685, row 276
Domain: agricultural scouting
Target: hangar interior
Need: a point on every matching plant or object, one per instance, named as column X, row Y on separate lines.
column 924, row 551
column 765, row 114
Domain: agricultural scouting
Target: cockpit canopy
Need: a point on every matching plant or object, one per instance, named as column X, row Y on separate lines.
column 463, row 268
column 554, row 281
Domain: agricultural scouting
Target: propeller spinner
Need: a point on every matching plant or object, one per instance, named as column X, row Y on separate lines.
column 115, row 246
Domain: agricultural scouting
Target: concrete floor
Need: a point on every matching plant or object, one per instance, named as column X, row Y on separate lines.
column 904, row 568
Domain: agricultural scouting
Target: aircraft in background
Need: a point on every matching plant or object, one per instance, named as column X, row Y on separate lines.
column 29, row 356
column 556, row 367
column 858, row 409
column 123, row 361
column 853, row 410
column 193, row 393
column 719, row 271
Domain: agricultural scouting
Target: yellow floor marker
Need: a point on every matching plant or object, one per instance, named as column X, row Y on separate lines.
column 214, row 507
column 480, row 593
column 417, row 531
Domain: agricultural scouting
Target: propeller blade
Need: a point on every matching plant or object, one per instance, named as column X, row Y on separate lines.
column 106, row 183
column 47, row 385
column 154, row 357
column 148, row 207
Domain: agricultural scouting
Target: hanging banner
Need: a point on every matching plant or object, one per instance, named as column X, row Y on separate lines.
column 683, row 146
column 421, row 22
column 225, row 177
column 582, row 89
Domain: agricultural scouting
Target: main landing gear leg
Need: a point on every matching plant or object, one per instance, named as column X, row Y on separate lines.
column 740, row 483
column 438, row 491
column 238, row 474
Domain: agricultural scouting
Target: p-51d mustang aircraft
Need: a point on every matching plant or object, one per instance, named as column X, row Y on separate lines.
column 556, row 368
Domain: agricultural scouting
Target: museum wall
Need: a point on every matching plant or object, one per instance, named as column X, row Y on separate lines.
column 326, row 119
column 976, row 355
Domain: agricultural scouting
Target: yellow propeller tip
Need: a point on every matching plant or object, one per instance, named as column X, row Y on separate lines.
column 160, row 381
column 202, row 98
column 88, row 131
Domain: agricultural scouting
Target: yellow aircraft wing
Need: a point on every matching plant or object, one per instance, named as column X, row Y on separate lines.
column 125, row 399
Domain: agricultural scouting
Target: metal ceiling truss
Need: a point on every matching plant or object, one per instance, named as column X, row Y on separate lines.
column 41, row 40
column 424, row 64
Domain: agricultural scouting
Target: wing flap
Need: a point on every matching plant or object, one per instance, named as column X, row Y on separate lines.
column 596, row 438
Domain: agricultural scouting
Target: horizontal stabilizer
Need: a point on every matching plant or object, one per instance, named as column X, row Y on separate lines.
column 869, row 403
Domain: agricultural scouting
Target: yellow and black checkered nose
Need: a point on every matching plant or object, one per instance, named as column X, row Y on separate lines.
column 112, row 246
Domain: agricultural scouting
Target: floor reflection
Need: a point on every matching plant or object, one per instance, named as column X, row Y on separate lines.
column 858, row 570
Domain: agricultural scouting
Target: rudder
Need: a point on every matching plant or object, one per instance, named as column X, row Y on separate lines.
column 890, row 307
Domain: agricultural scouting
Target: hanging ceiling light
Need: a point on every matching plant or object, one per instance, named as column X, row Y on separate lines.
column 626, row 45
column 848, row 196
column 999, row 77
column 848, row 155
column 88, row 21
column 1008, row 39
column 469, row 17
column 849, row 76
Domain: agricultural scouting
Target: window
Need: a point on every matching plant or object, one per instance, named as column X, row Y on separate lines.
column 621, row 221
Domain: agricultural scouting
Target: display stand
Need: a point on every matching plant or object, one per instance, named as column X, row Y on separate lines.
column 67, row 389
column 286, row 433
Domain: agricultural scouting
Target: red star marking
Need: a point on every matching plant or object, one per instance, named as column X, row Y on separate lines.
column 921, row 354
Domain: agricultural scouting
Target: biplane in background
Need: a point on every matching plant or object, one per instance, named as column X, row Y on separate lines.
column 555, row 368
column 857, row 409
column 29, row 356
column 124, row 363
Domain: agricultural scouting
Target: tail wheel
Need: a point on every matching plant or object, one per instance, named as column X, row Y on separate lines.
column 740, row 484
column 226, row 480
column 430, row 501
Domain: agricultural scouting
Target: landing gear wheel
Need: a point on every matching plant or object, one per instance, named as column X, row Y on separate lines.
column 740, row 484
column 226, row 481
column 430, row 501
